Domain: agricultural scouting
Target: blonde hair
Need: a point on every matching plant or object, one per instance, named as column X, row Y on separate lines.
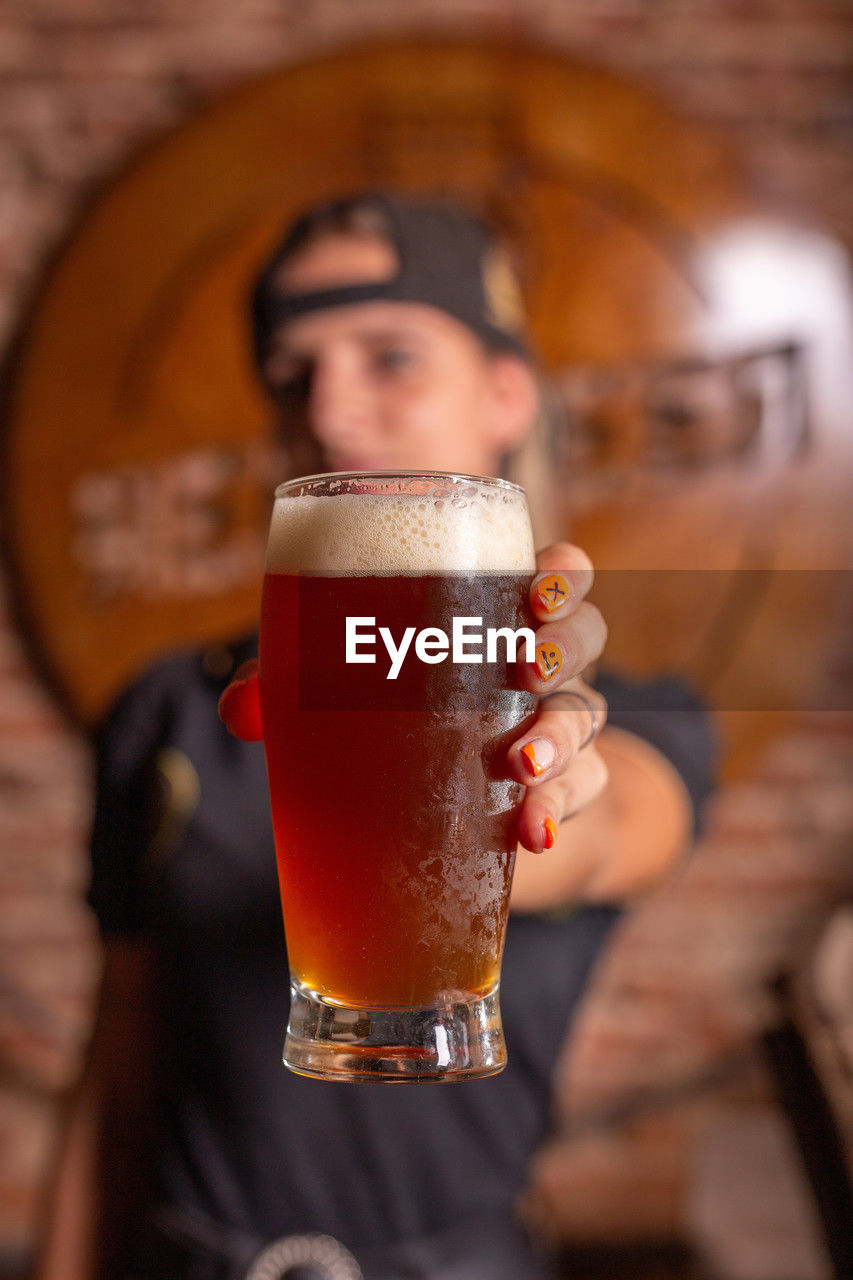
column 532, row 466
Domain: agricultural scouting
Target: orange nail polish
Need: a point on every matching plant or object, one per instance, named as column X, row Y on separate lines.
column 530, row 761
column 550, row 833
column 549, row 659
column 553, row 592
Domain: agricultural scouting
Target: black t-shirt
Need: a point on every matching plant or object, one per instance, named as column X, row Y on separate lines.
column 242, row 1139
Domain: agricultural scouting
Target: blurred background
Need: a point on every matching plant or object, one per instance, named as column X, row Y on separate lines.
column 676, row 178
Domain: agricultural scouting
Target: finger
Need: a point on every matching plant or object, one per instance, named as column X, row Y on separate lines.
column 565, row 724
column 563, row 555
column 564, row 577
column 547, row 806
column 558, row 592
column 563, row 649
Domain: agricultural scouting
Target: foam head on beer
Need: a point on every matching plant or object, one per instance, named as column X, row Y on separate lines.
column 464, row 529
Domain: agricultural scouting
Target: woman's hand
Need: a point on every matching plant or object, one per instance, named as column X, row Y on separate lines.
column 556, row 757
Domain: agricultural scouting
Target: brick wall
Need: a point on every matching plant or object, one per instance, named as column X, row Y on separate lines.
column 83, row 83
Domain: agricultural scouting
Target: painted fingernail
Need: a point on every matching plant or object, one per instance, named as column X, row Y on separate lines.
column 549, row 659
column 538, row 756
column 552, row 592
column 550, row 838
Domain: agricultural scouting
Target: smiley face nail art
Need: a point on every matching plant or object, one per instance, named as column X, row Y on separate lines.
column 549, row 659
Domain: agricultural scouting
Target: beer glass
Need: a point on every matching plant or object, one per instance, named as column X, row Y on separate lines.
column 395, row 825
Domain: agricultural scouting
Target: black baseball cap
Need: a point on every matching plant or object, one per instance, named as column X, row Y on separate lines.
column 446, row 258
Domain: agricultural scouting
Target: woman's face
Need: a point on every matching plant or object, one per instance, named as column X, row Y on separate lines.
column 394, row 385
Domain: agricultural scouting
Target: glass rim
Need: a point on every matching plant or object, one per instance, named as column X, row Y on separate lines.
column 401, row 473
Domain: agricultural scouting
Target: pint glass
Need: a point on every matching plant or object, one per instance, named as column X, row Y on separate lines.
column 395, row 823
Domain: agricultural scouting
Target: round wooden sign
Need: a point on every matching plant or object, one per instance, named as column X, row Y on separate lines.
column 138, row 458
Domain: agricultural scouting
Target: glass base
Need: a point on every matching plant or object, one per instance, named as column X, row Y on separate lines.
column 453, row 1040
